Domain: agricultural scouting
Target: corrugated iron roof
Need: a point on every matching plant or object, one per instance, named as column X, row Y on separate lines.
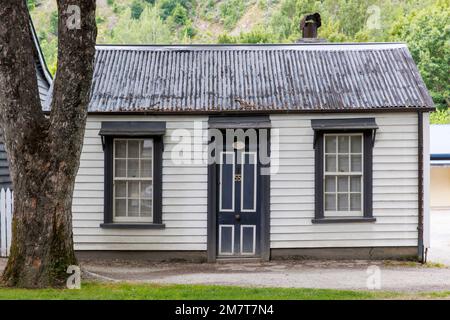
column 221, row 78
column 44, row 78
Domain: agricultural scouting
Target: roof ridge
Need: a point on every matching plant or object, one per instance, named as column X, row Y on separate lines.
column 273, row 46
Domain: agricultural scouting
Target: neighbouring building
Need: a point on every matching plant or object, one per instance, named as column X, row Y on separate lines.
column 440, row 167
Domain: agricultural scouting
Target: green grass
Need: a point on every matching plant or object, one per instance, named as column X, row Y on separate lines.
column 132, row 291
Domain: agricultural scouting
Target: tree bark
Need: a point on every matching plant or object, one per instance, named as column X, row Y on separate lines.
column 44, row 151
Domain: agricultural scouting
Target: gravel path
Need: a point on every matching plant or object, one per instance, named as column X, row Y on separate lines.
column 404, row 277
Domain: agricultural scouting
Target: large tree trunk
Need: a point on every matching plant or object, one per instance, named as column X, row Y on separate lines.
column 44, row 151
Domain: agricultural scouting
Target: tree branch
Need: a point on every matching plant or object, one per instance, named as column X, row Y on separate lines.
column 21, row 115
column 77, row 32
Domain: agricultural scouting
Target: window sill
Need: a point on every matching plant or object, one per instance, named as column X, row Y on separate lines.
column 133, row 226
column 343, row 220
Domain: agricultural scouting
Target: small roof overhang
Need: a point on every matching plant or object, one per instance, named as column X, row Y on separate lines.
column 133, row 128
column 440, row 160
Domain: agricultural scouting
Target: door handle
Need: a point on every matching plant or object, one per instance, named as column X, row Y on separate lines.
column 238, row 217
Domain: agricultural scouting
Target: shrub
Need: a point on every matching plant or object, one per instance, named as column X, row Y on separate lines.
column 136, row 9
column 440, row 117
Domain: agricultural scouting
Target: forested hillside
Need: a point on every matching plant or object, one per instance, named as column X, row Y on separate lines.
column 423, row 24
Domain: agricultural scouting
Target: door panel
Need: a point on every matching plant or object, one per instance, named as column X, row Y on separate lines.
column 248, row 239
column 248, row 191
column 226, row 192
column 226, row 239
column 238, row 210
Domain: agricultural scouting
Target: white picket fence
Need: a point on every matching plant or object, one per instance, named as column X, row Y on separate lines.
column 6, row 210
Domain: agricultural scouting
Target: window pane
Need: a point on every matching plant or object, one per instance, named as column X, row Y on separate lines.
column 356, row 144
column 133, row 168
column 343, row 142
column 146, row 189
column 120, row 208
column 330, row 202
column 343, row 163
column 147, row 149
column 343, row 202
column 355, row 202
column 146, row 168
column 356, row 163
column 330, row 144
column 133, row 148
column 355, row 184
column 342, row 184
column 120, row 148
column 133, row 189
column 121, row 189
column 133, row 208
column 121, row 168
column 146, row 208
column 330, row 165
column 330, row 184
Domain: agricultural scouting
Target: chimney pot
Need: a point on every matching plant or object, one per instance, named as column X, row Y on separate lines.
column 309, row 25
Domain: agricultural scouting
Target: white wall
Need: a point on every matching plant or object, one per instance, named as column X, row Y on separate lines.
column 184, row 196
column 292, row 194
column 395, row 201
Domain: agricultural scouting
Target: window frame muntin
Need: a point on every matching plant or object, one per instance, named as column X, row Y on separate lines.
column 347, row 213
column 369, row 139
column 128, row 219
column 129, row 129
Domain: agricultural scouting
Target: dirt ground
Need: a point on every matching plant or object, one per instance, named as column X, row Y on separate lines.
column 352, row 275
column 355, row 275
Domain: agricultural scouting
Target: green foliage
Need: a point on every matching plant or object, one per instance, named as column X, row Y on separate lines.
column 255, row 36
column 99, row 20
column 427, row 33
column 136, row 9
column 168, row 6
column 129, row 31
column 54, row 22
column 231, row 11
column 31, row 4
column 422, row 24
column 48, row 48
column 440, row 117
column 179, row 15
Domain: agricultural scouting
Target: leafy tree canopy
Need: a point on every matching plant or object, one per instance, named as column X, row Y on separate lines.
column 422, row 24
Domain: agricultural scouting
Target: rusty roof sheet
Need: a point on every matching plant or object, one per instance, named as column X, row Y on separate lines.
column 231, row 78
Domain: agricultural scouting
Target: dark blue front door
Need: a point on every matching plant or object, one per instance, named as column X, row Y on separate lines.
column 238, row 202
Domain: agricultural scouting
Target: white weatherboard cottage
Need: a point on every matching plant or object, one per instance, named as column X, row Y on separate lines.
column 344, row 126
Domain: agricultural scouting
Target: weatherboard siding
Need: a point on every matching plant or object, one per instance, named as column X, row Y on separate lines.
column 395, row 196
column 43, row 86
column 184, row 207
column 292, row 190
